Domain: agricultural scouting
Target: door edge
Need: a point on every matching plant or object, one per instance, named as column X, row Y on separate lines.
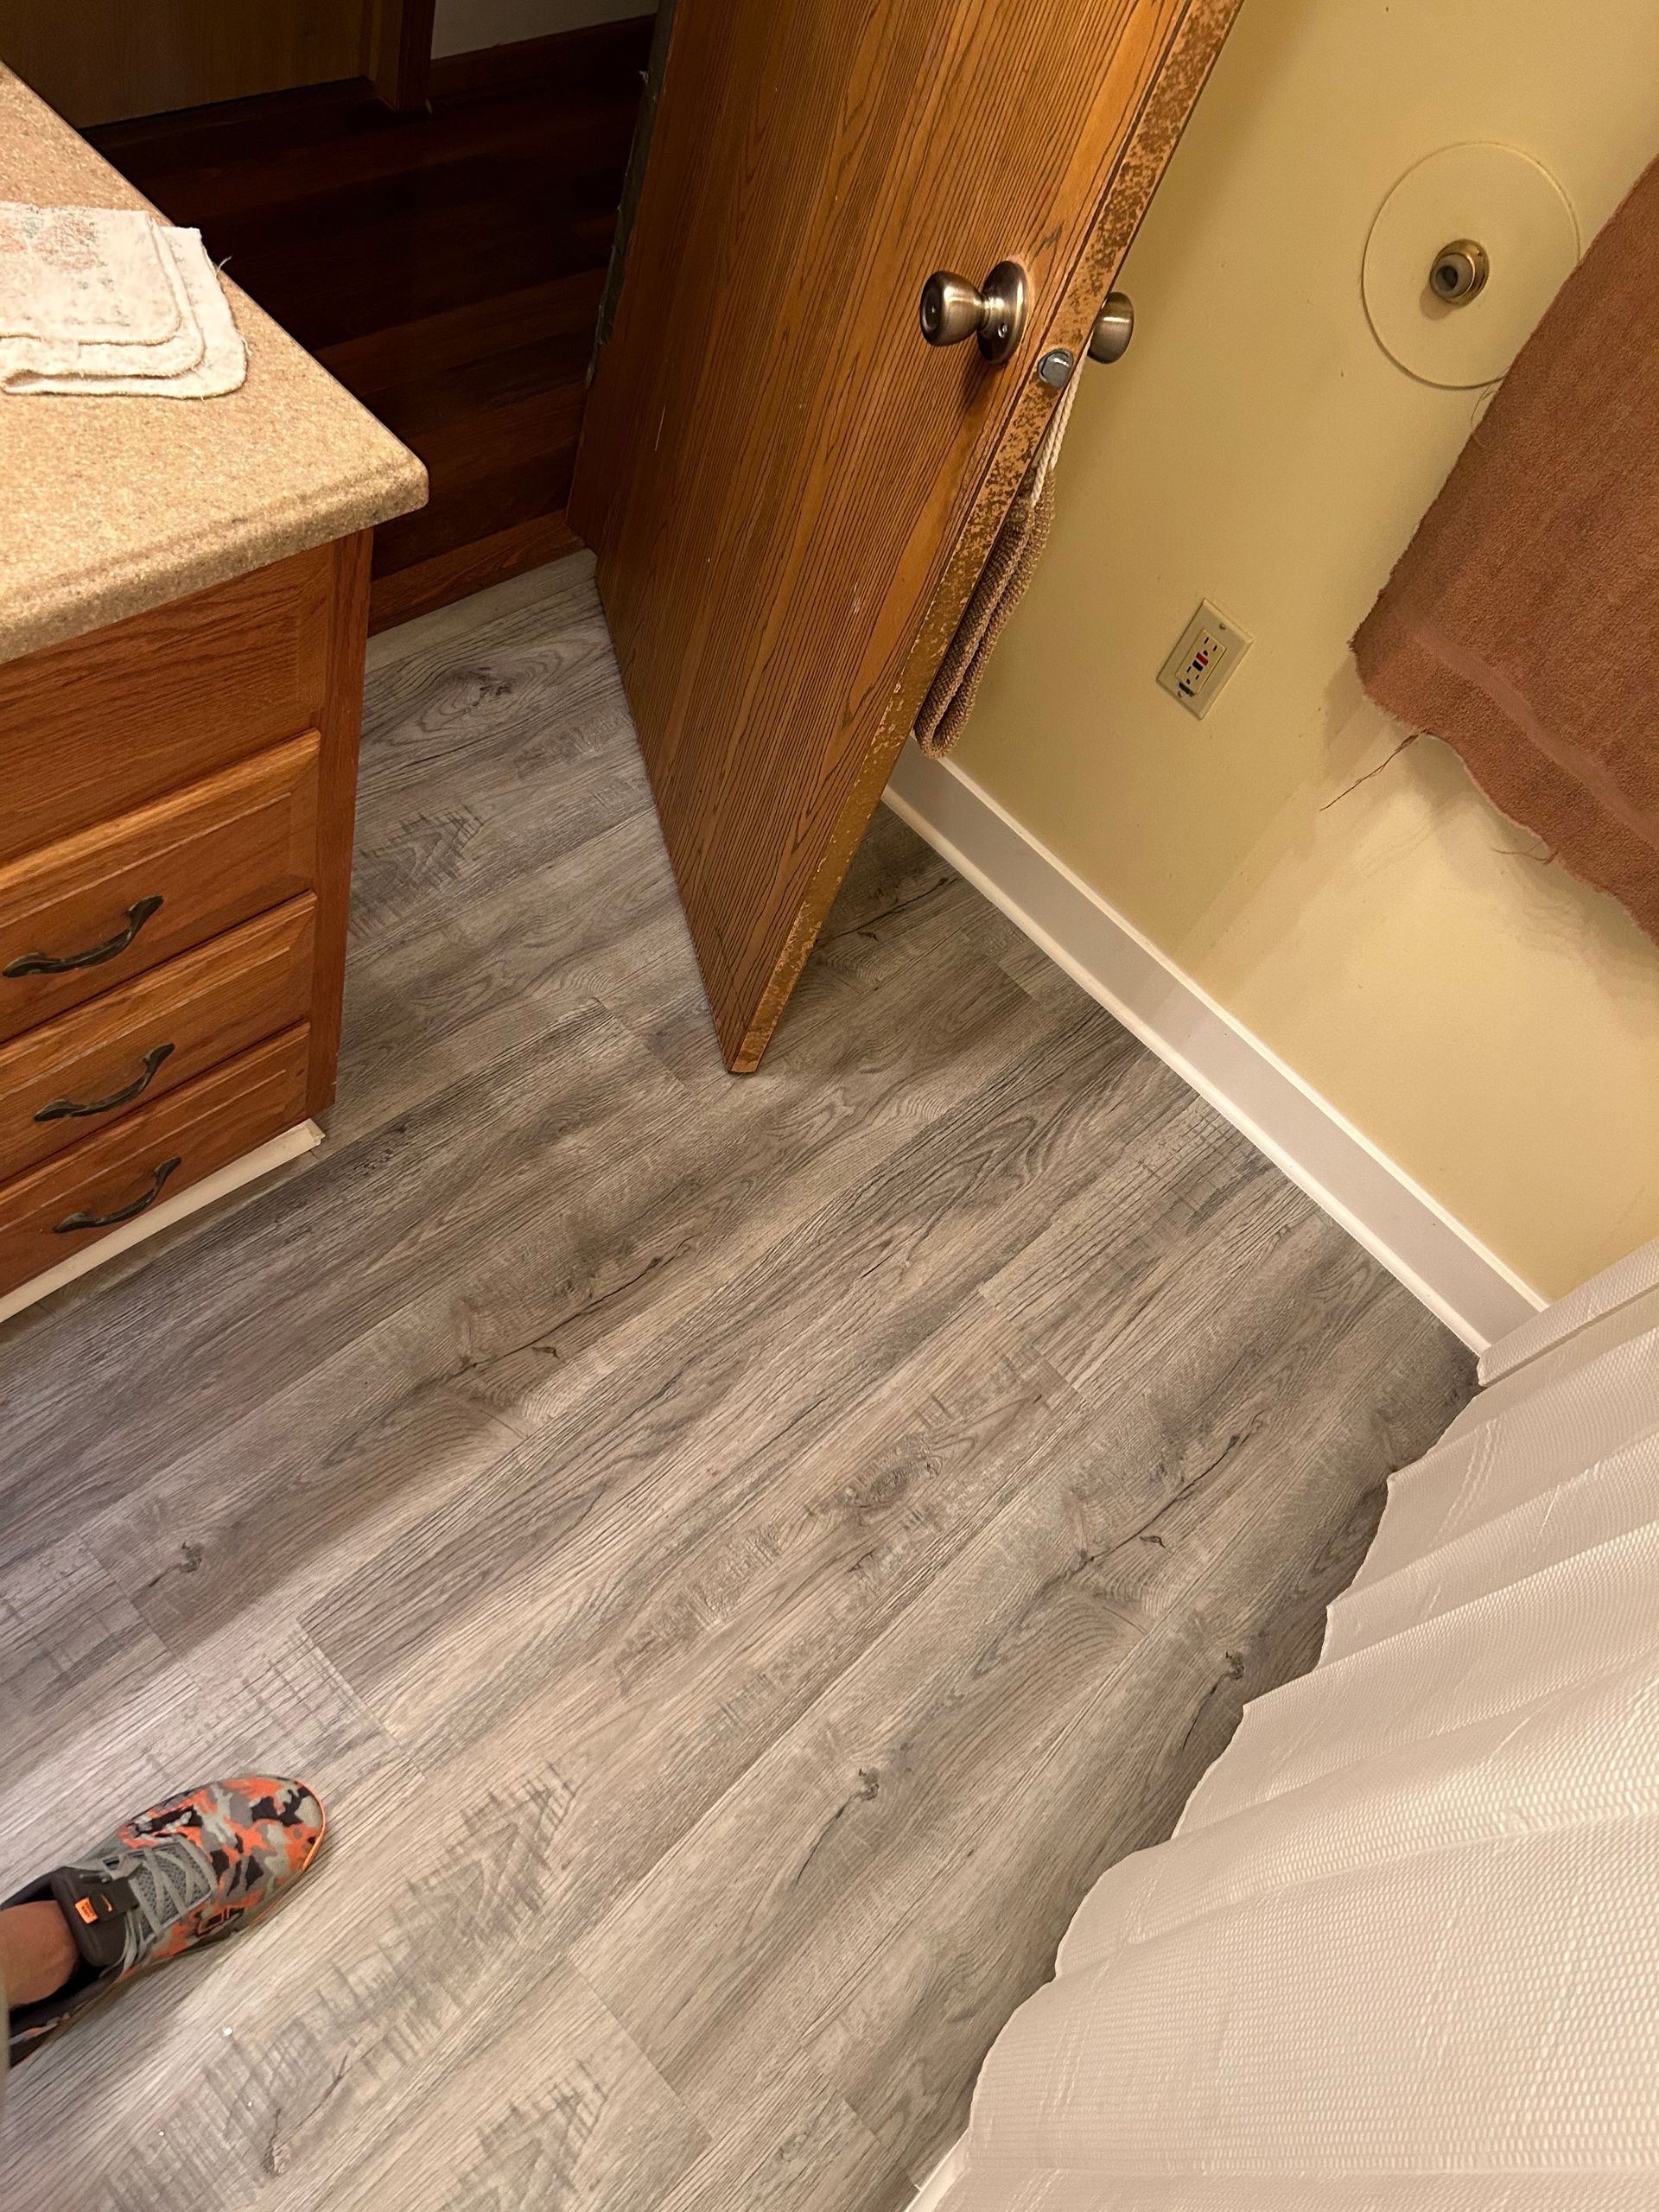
column 1191, row 54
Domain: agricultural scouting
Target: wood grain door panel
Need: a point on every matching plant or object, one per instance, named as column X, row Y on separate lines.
column 214, row 854
column 203, row 1126
column 122, row 1051
column 789, row 492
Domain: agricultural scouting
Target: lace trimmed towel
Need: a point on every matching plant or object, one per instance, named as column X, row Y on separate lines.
column 1008, row 570
column 106, row 300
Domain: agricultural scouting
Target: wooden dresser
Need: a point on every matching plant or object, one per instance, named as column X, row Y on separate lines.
column 176, row 843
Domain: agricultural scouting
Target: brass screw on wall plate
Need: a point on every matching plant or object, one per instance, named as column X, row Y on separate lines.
column 1459, row 270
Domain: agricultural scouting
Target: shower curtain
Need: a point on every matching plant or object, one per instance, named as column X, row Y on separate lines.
column 1402, row 1952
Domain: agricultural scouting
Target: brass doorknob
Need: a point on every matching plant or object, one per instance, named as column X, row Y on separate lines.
column 953, row 309
column 1114, row 327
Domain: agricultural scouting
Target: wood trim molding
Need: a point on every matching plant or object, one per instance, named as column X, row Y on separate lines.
column 341, row 722
column 399, row 56
column 634, row 182
column 566, row 58
column 401, row 594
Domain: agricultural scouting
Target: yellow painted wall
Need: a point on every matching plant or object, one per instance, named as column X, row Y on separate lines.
column 1491, row 1024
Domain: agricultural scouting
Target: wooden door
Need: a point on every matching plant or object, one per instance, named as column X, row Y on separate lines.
column 791, row 494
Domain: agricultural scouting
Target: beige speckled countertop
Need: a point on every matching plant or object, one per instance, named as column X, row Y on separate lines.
column 111, row 505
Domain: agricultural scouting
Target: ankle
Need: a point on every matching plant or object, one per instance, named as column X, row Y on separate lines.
column 37, row 1952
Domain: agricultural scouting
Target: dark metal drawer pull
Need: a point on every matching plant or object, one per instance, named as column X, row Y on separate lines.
column 122, row 1213
column 62, row 1109
column 50, row 963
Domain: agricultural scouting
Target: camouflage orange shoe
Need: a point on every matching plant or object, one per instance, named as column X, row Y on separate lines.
column 190, row 1870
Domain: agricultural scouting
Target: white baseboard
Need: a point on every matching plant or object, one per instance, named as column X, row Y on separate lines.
column 1414, row 1237
column 275, row 1153
column 950, row 2171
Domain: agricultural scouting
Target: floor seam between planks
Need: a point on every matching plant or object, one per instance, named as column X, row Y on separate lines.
column 738, row 1557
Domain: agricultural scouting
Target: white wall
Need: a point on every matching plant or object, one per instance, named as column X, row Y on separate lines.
column 1491, row 1024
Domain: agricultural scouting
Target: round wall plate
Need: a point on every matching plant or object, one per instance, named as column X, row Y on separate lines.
column 1507, row 203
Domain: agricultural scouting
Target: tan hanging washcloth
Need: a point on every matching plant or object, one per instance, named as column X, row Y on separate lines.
column 1001, row 586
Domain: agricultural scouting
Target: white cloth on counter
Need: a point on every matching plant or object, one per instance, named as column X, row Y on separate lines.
column 107, row 300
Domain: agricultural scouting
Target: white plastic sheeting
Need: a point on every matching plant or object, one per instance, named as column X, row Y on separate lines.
column 1402, row 1953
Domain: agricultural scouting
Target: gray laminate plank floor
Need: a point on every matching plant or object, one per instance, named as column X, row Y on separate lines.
column 738, row 1557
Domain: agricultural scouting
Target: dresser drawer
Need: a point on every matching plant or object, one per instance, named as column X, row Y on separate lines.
column 70, row 1201
column 85, row 1070
column 92, row 910
column 104, row 723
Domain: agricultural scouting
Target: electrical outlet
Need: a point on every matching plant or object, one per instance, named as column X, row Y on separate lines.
column 1206, row 653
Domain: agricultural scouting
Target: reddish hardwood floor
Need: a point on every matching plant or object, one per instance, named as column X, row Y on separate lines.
column 447, row 267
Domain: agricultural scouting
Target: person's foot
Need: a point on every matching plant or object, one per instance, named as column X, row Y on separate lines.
column 189, row 1871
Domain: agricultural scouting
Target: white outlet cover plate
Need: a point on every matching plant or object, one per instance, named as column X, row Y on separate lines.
column 1205, row 655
